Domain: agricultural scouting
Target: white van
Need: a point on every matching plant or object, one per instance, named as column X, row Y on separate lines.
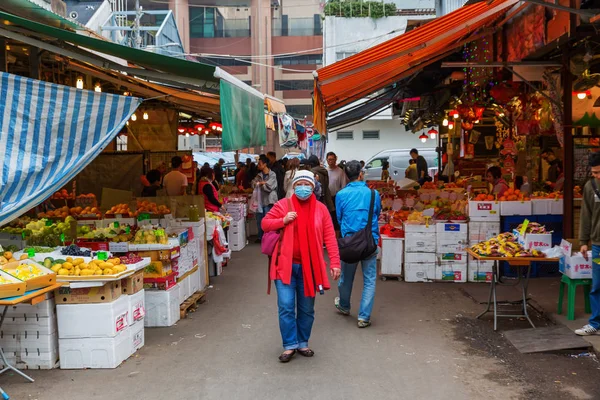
column 398, row 159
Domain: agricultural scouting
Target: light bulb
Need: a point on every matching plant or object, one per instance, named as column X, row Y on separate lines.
column 423, row 140
column 501, row 115
column 476, row 121
column 79, row 83
column 133, row 117
column 445, row 121
column 145, row 116
column 187, row 135
column 581, row 95
column 98, row 88
column 126, row 93
column 456, row 115
column 451, row 125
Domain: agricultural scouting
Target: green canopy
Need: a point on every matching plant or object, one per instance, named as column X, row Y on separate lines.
column 139, row 57
column 32, row 11
column 243, row 118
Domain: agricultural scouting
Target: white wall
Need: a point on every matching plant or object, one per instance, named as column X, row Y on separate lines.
column 392, row 135
column 413, row 4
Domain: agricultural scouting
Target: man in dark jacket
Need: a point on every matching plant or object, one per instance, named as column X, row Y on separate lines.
column 323, row 175
column 279, row 173
column 219, row 172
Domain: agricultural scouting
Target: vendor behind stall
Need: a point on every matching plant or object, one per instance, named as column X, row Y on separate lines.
column 153, row 177
column 208, row 190
column 494, row 177
column 555, row 170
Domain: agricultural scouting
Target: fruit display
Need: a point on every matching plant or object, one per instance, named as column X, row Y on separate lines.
column 416, row 217
column 25, row 271
column 544, row 195
column 484, row 197
column 514, row 195
column 122, row 209
column 131, row 258
column 533, row 227
column 148, row 207
column 504, row 245
column 62, row 212
column 3, row 280
column 577, row 192
column 63, row 195
column 39, row 249
column 151, row 236
column 78, row 267
column 8, row 257
column 88, row 212
column 429, row 185
column 451, row 185
column 400, row 215
column 46, row 233
column 76, row 251
column 120, row 234
column 451, row 215
column 86, row 199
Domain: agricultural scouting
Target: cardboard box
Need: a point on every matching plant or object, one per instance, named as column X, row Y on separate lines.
column 452, row 257
column 419, row 272
column 94, row 352
column 420, row 242
column 133, row 283
column 484, row 210
column 574, row 265
column 104, row 294
column 451, row 271
column 158, row 269
column 508, row 208
column 536, row 241
column 103, row 320
column 482, row 231
column 156, row 255
column 419, row 258
column 446, row 229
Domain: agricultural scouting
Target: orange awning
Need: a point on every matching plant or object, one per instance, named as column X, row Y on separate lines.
column 356, row 77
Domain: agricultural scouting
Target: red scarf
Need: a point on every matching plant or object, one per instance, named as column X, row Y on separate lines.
column 305, row 232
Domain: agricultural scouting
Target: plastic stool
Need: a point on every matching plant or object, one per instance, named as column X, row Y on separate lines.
column 572, row 288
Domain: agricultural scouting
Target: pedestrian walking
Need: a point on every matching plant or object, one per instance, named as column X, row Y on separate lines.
column 353, row 205
column 337, row 181
column 266, row 182
column 589, row 231
column 298, row 265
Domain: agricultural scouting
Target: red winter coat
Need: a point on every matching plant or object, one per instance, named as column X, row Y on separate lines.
column 325, row 233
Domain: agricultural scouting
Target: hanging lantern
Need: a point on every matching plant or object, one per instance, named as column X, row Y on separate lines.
column 451, row 125
column 145, row 116
column 445, row 121
column 423, row 137
column 98, row 88
column 216, row 127
column 199, row 128
column 432, row 133
column 79, row 83
column 454, row 114
column 181, row 129
column 133, row 117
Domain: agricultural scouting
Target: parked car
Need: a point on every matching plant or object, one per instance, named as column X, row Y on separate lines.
column 398, row 159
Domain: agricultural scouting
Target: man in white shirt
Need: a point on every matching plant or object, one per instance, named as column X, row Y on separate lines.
column 175, row 182
column 337, row 181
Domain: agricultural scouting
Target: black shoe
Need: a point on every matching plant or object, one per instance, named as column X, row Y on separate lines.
column 286, row 357
column 257, row 241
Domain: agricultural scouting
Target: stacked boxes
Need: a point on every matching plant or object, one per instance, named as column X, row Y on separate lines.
column 30, row 335
column 392, row 251
column 162, row 307
column 237, row 235
column 451, row 247
column 480, row 231
column 419, row 254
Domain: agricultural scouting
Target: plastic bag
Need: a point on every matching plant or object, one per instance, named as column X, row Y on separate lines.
column 254, row 204
column 555, row 252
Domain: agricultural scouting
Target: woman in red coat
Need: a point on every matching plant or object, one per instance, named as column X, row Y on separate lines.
column 298, row 264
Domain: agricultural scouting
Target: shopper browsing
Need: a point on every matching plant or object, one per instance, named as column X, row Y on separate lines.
column 208, row 190
column 266, row 182
column 277, row 167
column 153, row 178
column 422, row 173
column 219, row 172
column 175, row 182
column 589, row 231
column 290, row 174
column 298, row 265
column 337, row 181
column 352, row 205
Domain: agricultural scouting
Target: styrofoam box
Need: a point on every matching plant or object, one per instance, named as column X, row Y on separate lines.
column 419, row 272
column 137, row 308
column 137, row 337
column 537, row 241
column 447, row 229
column 44, row 309
column 508, row 208
column 33, row 360
column 451, row 271
column 451, row 257
column 480, row 271
column 31, row 327
column 420, row 243
column 417, row 228
column 29, row 343
column 162, row 307
column 184, row 289
column 540, row 206
column 195, row 282
column 94, row 352
column 576, row 266
column 391, row 255
column 237, row 246
column 484, row 210
column 103, row 320
column 482, row 231
column 457, row 244
column 419, row 258
column 557, row 207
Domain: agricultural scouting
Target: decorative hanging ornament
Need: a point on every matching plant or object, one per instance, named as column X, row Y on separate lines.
column 423, row 137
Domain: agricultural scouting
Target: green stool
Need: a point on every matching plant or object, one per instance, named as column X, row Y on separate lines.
column 572, row 288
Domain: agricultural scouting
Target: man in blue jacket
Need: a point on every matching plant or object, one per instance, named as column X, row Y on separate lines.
column 352, row 205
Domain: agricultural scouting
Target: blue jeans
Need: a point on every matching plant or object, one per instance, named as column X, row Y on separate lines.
column 259, row 218
column 369, row 269
column 595, row 292
column 295, row 328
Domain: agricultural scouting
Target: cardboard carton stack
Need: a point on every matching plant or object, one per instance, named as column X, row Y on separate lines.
column 419, row 252
column 451, row 247
column 480, row 231
column 30, row 335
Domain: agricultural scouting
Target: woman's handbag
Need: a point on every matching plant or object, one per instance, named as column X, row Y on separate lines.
column 270, row 239
column 360, row 245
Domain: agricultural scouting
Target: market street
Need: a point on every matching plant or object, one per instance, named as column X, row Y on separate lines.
column 415, row 350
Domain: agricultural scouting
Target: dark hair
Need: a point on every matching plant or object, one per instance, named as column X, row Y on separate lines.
column 153, row 176
column 265, row 160
column 176, row 162
column 495, row 171
column 385, row 165
column 414, row 151
column 221, row 161
column 272, row 154
column 353, row 170
column 411, row 161
column 206, row 172
column 547, row 150
column 314, row 161
column 331, row 153
column 594, row 159
column 518, row 182
column 248, row 160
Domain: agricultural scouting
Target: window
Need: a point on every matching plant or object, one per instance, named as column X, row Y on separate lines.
column 343, row 54
column 122, row 143
column 224, row 62
column 294, row 85
column 309, row 59
column 370, row 135
column 345, row 135
column 202, row 22
column 299, row 111
column 376, row 163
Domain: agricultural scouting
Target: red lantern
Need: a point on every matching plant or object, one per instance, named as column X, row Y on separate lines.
column 198, row 128
column 182, row 130
column 432, row 133
column 479, row 111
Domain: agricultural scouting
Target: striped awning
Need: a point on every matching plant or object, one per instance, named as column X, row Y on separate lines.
column 48, row 134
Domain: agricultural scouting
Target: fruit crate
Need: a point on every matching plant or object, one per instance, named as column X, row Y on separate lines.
column 93, row 245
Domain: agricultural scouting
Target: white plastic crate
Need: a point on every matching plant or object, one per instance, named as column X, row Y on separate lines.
column 137, row 308
column 31, row 327
column 419, row 272
column 420, row 242
column 94, row 352
column 136, row 337
column 103, row 320
column 195, row 282
column 482, row 231
column 419, row 258
column 162, row 307
column 479, row 271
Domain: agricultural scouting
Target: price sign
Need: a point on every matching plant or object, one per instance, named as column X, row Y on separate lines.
column 62, row 238
column 116, row 224
column 524, row 228
column 102, row 255
column 127, row 229
column 30, row 253
column 143, row 217
column 49, row 223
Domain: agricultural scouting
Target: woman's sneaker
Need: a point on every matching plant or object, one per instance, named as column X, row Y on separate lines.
column 587, row 330
column 363, row 324
column 339, row 308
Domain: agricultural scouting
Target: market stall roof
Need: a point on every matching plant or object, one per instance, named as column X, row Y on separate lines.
column 38, row 12
column 138, row 57
column 358, row 76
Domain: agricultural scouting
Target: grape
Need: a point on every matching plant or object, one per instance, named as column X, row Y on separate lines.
column 74, row 250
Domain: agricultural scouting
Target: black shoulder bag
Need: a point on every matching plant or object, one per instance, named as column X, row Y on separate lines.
column 360, row 245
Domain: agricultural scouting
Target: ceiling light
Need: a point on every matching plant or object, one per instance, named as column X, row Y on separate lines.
column 581, row 95
column 476, row 121
column 445, row 121
column 98, row 88
column 79, row 83
column 501, row 115
column 451, row 125
column 145, row 116
column 432, row 133
column 133, row 117
column 423, row 137
column 454, row 114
